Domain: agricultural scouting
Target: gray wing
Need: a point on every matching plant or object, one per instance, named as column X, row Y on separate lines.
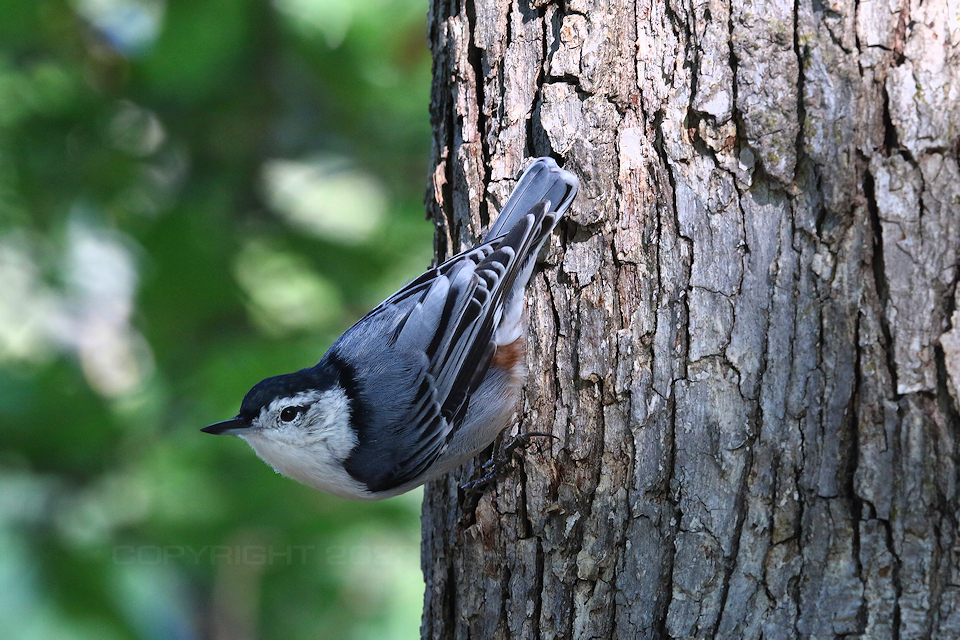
column 424, row 351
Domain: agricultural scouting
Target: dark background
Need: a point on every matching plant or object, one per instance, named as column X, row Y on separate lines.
column 194, row 195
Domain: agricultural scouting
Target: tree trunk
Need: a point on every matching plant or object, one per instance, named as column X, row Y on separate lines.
column 739, row 333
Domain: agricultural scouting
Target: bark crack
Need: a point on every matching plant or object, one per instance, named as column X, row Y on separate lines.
column 503, row 625
column 672, row 511
column 894, row 577
column 801, row 54
column 734, row 62
column 538, row 589
column 880, row 277
column 475, row 58
column 856, row 501
column 948, row 506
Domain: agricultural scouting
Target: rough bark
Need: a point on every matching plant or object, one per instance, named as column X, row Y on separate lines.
column 742, row 333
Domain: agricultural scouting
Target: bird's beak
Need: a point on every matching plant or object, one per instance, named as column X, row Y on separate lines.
column 231, row 427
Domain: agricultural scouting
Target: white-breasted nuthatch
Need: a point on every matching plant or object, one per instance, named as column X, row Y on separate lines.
column 423, row 382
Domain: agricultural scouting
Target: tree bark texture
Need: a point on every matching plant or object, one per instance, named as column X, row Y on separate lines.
column 741, row 334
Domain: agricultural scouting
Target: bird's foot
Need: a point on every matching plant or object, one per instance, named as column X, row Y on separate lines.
column 498, row 464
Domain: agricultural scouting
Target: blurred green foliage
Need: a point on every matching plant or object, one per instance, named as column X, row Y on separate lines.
column 194, row 195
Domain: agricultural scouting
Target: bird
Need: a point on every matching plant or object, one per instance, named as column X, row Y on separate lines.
column 424, row 381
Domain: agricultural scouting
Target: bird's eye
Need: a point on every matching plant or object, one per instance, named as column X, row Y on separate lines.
column 290, row 413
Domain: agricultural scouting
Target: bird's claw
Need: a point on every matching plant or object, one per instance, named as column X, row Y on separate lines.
column 499, row 461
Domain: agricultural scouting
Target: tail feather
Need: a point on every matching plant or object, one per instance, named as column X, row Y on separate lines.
column 543, row 183
column 543, row 180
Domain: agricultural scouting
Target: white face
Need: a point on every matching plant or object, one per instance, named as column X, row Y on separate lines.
column 307, row 418
column 307, row 437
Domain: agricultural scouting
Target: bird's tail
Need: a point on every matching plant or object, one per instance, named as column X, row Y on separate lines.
column 543, row 182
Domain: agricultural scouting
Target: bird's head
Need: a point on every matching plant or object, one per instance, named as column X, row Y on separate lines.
column 299, row 409
column 299, row 423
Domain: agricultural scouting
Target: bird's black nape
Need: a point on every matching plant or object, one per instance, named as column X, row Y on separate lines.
column 318, row 378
